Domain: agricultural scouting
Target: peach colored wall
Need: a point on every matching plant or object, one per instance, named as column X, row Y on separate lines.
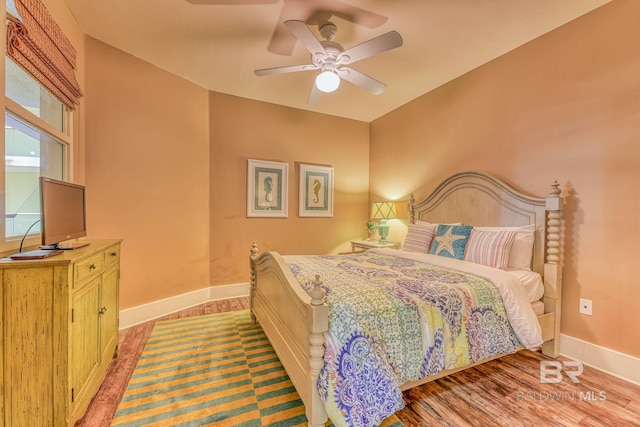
column 565, row 106
column 166, row 171
column 147, row 173
column 242, row 129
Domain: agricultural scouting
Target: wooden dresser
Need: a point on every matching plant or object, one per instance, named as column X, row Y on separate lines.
column 59, row 320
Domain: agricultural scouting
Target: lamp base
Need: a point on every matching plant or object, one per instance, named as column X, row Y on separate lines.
column 383, row 231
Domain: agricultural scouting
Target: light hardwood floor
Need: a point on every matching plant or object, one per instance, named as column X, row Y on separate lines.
column 504, row 392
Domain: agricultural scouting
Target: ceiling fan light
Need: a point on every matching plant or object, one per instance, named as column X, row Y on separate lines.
column 327, row 81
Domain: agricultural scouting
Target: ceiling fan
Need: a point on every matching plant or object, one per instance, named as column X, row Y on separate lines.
column 333, row 60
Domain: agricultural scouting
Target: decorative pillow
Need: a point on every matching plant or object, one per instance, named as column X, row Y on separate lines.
column 490, row 248
column 450, row 240
column 418, row 238
column 522, row 250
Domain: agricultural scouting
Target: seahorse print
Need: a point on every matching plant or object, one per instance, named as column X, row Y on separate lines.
column 316, row 190
column 268, row 189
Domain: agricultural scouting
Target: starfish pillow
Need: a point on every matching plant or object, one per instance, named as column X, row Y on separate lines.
column 450, row 240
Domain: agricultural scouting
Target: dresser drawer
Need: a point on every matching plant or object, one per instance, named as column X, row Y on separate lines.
column 111, row 255
column 89, row 267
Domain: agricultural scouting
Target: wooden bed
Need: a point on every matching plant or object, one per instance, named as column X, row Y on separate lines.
column 295, row 322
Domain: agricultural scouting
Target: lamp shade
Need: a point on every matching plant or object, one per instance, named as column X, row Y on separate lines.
column 383, row 210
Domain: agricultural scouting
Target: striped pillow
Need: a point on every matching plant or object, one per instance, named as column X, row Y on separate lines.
column 490, row 248
column 418, row 238
column 522, row 249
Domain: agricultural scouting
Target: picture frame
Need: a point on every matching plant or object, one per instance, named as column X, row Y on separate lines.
column 267, row 189
column 316, row 191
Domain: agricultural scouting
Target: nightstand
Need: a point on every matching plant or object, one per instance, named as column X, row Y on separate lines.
column 363, row 245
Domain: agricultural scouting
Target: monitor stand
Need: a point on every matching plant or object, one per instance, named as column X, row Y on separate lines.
column 65, row 246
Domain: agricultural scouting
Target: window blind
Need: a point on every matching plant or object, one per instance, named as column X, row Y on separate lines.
column 38, row 45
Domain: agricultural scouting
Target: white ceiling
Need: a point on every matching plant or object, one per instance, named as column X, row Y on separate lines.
column 218, row 43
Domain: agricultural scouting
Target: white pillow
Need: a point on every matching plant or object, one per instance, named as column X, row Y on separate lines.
column 521, row 253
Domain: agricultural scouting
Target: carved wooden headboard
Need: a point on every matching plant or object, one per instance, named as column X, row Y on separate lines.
column 479, row 199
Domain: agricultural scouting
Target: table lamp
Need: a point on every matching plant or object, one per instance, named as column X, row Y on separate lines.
column 383, row 211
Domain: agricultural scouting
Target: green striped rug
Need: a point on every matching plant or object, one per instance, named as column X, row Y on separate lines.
column 217, row 370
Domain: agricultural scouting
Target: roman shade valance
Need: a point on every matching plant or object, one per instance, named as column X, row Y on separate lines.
column 38, row 45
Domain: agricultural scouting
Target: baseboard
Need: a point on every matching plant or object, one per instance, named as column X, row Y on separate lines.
column 143, row 313
column 604, row 359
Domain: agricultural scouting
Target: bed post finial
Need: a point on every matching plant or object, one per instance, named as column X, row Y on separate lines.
column 317, row 293
column 252, row 281
column 554, row 224
column 412, row 200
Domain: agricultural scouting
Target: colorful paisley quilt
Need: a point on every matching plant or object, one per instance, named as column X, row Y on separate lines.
column 394, row 319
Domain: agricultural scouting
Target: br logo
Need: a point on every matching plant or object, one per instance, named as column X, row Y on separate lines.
column 551, row 371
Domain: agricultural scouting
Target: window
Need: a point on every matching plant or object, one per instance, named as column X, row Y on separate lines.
column 37, row 115
column 23, row 89
column 37, row 142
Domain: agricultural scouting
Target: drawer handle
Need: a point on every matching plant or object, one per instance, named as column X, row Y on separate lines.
column 92, row 266
column 103, row 310
column 114, row 254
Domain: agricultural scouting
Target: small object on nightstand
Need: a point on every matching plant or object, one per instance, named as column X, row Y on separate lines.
column 363, row 245
column 371, row 231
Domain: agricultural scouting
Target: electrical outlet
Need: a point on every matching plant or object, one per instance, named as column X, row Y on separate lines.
column 586, row 306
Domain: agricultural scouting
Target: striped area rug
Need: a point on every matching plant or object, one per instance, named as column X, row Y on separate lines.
column 217, row 370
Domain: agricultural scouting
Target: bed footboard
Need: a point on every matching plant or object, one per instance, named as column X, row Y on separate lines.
column 295, row 324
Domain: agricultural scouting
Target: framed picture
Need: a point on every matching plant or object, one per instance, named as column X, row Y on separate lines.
column 316, row 190
column 267, row 188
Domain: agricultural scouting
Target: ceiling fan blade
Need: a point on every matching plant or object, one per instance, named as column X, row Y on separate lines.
column 282, row 41
column 315, row 95
column 388, row 41
column 282, row 70
column 306, row 37
column 362, row 80
column 348, row 13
